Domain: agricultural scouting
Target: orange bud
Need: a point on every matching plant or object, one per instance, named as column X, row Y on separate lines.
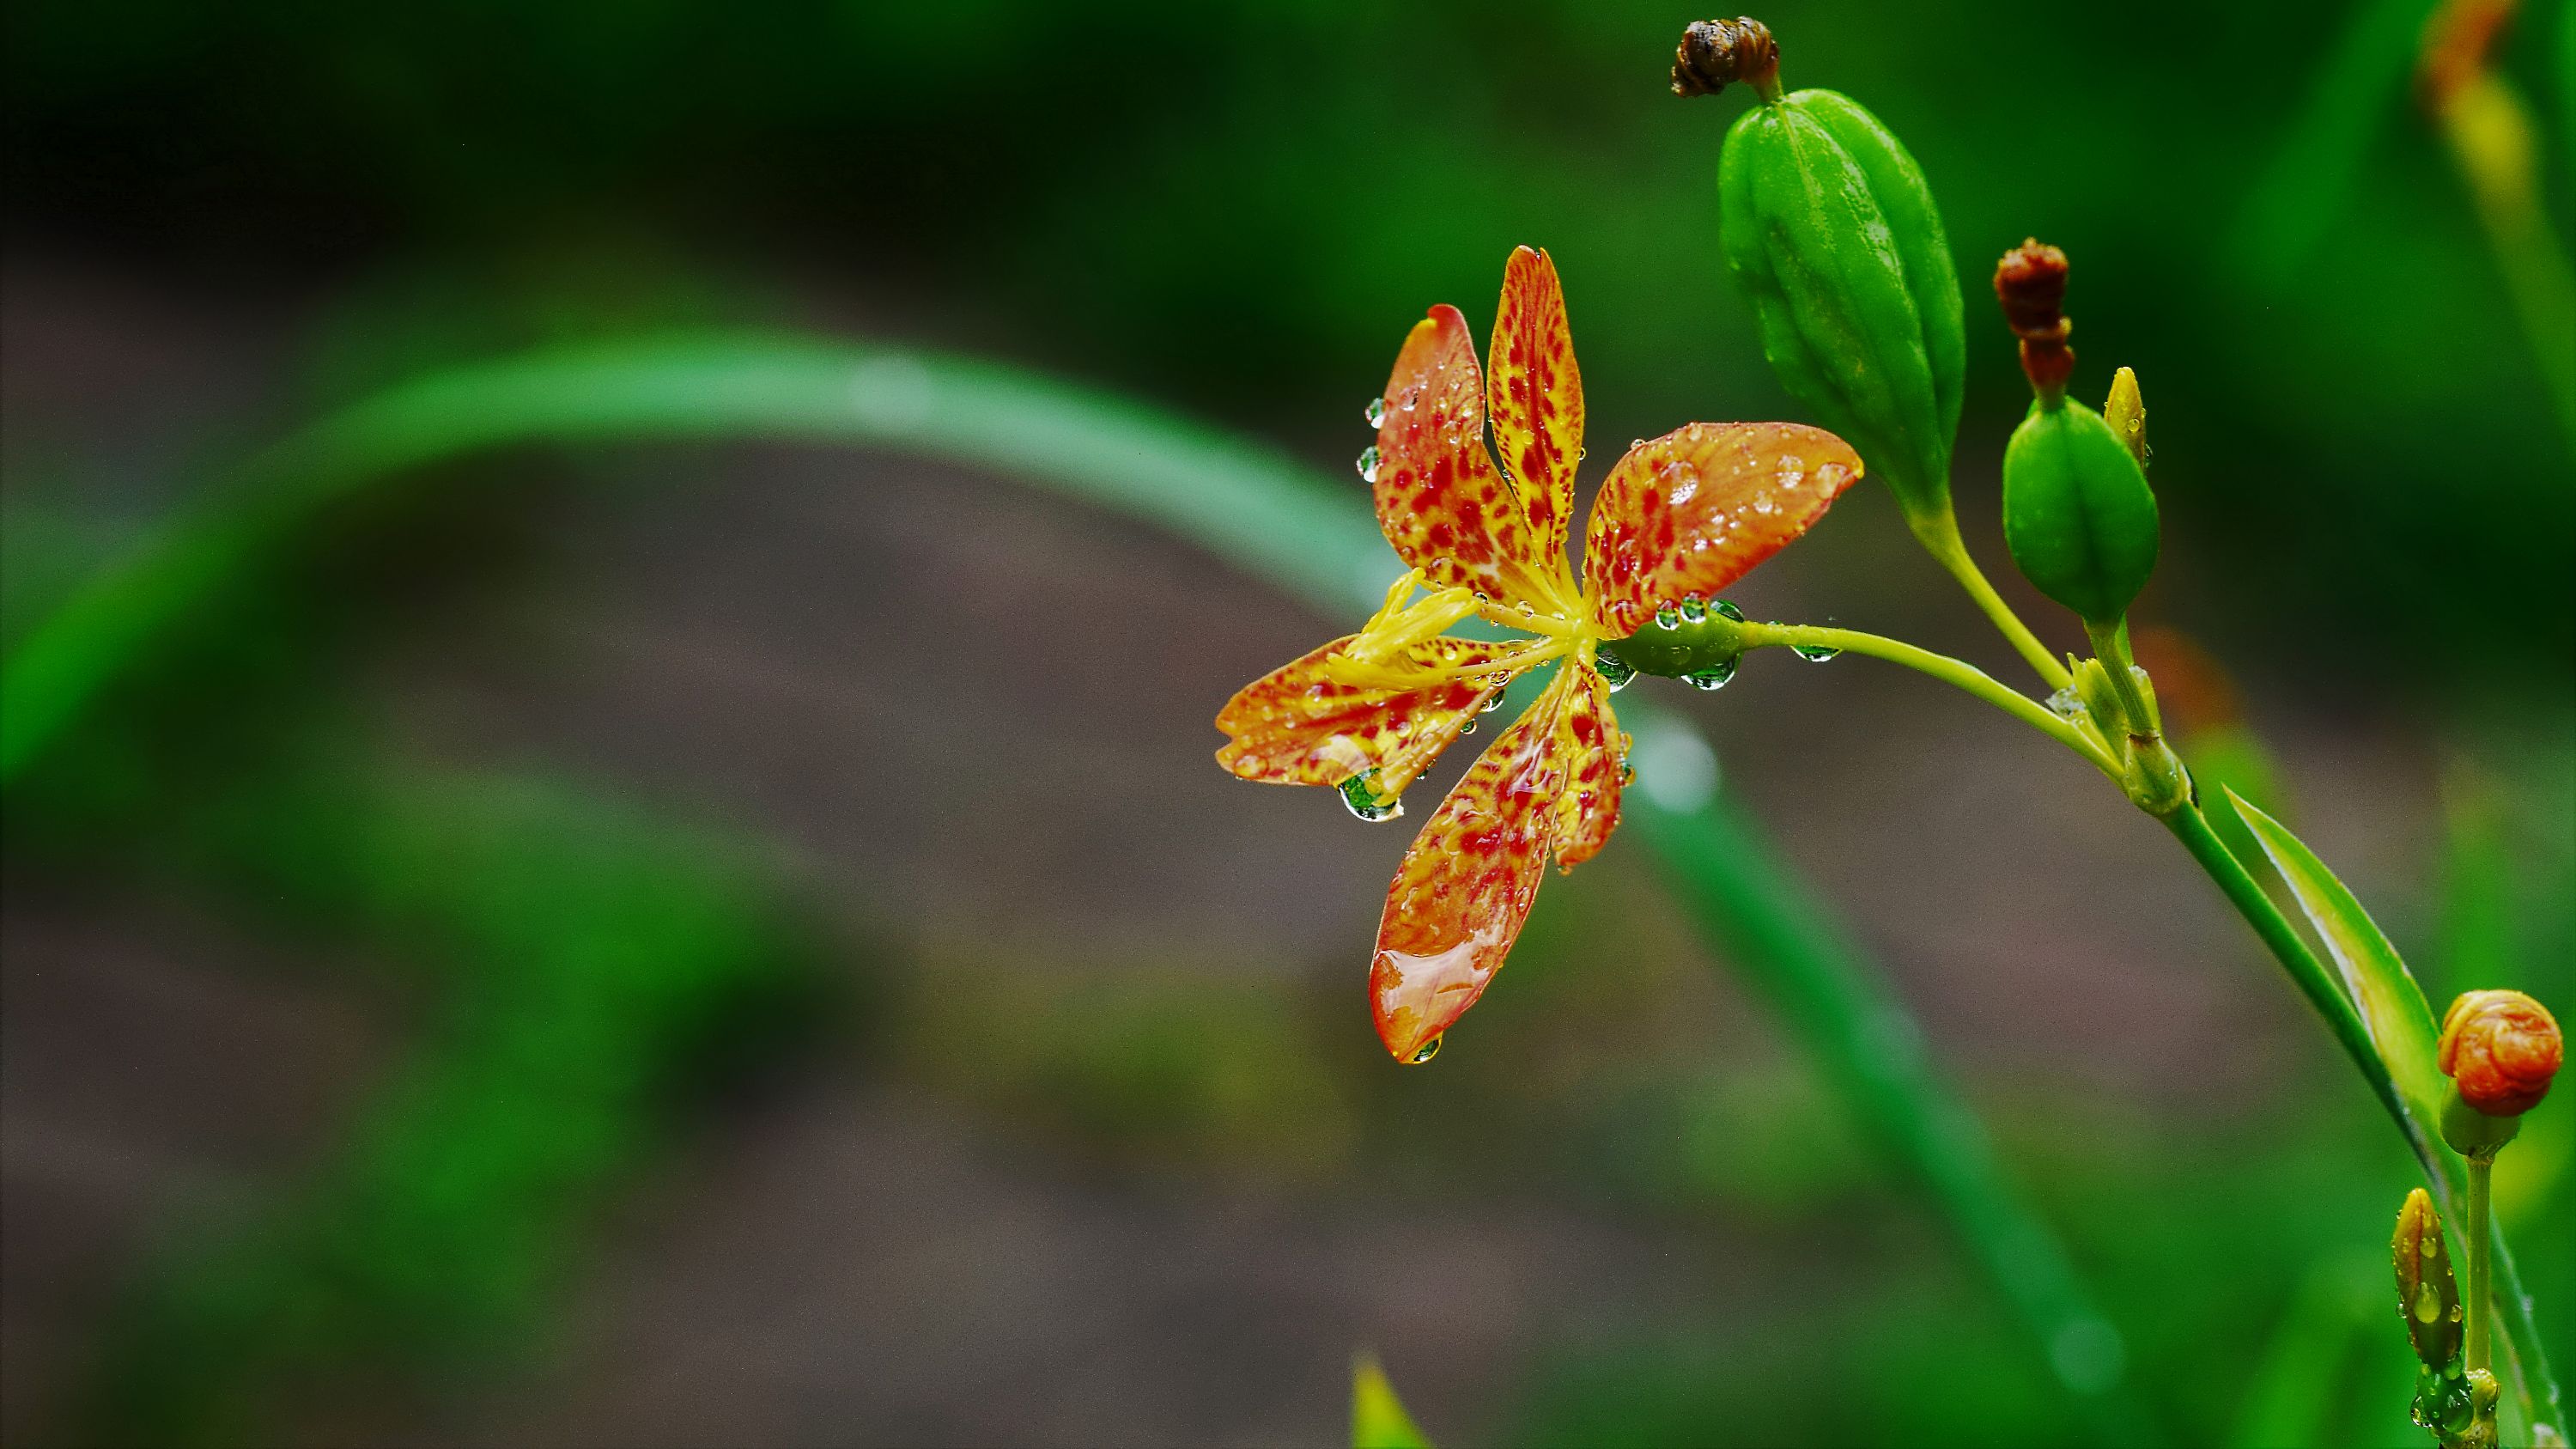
column 2501, row 1048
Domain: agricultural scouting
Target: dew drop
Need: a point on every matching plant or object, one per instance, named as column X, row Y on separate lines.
column 2428, row 1304
column 2067, row 704
column 1713, row 677
column 1728, row 610
column 1494, row 701
column 2432, row 1245
column 1424, row 1053
column 1360, row 793
column 1375, row 412
column 1667, row 617
column 1412, row 395
column 1816, row 653
column 1468, row 728
column 1694, row 608
column 2457, row 1313
column 1368, row 463
column 1614, row 671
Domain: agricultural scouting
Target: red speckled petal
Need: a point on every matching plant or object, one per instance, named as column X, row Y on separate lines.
column 1443, row 506
column 1467, row 882
column 1694, row 510
column 1595, row 754
column 1536, row 397
column 1297, row 726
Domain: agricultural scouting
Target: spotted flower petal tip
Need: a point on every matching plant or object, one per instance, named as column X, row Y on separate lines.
column 1688, row 513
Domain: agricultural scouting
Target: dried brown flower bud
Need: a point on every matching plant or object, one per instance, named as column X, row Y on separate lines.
column 2030, row 282
column 1717, row 53
column 2501, row 1048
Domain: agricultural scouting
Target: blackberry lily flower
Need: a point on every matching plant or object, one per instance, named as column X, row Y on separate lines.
column 1681, row 517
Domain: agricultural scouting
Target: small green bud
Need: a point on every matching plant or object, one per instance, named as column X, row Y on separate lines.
column 2428, row 1295
column 2126, row 412
column 2078, row 515
column 1830, row 230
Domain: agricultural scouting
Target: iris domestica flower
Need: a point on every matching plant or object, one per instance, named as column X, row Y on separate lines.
column 1679, row 518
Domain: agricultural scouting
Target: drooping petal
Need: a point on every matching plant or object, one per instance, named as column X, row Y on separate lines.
column 1536, row 397
column 1443, row 506
column 1298, row 726
column 1694, row 510
column 1467, row 882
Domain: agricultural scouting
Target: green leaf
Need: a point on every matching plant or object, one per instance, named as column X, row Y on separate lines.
column 1378, row 1420
column 2391, row 1004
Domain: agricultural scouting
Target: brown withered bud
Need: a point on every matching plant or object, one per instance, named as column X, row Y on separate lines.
column 1715, row 54
column 2030, row 281
column 2502, row 1049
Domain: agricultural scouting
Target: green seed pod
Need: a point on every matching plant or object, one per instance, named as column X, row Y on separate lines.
column 1829, row 228
column 2078, row 515
column 2428, row 1297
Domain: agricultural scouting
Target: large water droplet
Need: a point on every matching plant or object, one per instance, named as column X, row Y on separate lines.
column 1614, row 671
column 1667, row 617
column 1713, row 677
column 1368, row 463
column 1727, row 609
column 1424, row 1053
column 1375, row 412
column 1694, row 609
column 1818, row 653
column 2431, row 1246
column 1361, row 794
column 1494, row 701
column 2066, row 703
column 2428, row 1304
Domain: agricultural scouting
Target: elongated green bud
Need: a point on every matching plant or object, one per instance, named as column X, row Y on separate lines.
column 1830, row 230
column 2078, row 514
column 2428, row 1295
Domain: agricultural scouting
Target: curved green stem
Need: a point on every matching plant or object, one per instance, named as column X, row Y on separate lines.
column 2481, row 1349
column 2318, row 984
column 1940, row 538
column 1955, row 672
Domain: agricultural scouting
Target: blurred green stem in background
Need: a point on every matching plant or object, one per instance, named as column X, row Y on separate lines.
column 1243, row 503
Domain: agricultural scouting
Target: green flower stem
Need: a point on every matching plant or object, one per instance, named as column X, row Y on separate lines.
column 1939, row 534
column 2311, row 975
column 1956, row 672
column 2481, row 1348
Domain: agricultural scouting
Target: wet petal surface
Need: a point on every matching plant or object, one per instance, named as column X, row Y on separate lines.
column 1694, row 510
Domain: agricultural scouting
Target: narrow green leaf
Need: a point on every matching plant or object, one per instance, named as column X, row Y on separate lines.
column 1378, row 1420
column 2391, row 1004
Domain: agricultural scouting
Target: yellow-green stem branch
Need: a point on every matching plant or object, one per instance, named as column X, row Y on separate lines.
column 1956, row 672
column 1939, row 534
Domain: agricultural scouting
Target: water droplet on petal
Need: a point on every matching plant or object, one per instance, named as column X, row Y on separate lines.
column 1494, row 701
column 1375, row 412
column 1368, row 463
column 1713, row 677
column 1361, row 794
column 1424, row 1053
column 1614, row 671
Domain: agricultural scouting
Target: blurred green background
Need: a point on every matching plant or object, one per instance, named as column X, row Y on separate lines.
column 743, row 943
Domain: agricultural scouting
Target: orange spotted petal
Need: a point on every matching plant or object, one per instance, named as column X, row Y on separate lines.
column 1536, row 397
column 1467, row 882
column 1298, row 726
column 1443, row 506
column 1694, row 510
column 1595, row 755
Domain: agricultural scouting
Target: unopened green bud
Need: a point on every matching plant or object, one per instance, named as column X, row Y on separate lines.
column 1830, row 229
column 2428, row 1295
column 2126, row 412
column 2078, row 515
